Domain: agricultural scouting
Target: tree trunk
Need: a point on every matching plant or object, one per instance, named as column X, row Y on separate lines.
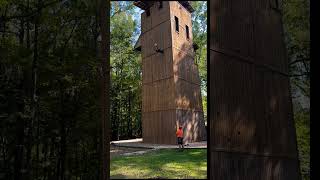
column 37, row 149
column 21, row 32
column 51, row 155
column 63, row 149
column 130, row 117
column 19, row 149
column 105, row 80
column 3, row 141
column 115, row 131
column 62, row 154
column 4, row 23
column 34, row 83
column 28, row 26
column 45, row 154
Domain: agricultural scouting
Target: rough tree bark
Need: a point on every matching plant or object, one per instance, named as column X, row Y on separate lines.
column 105, row 81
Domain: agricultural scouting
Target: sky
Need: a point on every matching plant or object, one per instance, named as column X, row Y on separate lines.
column 137, row 19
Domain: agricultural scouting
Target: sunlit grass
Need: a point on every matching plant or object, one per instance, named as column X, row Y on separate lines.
column 166, row 163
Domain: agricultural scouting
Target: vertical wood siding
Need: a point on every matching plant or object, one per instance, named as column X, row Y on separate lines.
column 170, row 82
column 252, row 134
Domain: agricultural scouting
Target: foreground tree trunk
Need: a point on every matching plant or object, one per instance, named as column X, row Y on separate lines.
column 18, row 161
column 105, row 81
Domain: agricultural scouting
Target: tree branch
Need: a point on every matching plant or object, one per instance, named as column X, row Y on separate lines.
column 298, row 75
column 121, row 10
column 299, row 60
column 30, row 14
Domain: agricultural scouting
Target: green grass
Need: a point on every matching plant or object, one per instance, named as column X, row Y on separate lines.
column 165, row 163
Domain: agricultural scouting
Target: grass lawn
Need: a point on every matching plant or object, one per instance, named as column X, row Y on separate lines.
column 164, row 163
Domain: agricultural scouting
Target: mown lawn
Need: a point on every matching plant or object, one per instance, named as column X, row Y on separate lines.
column 165, row 163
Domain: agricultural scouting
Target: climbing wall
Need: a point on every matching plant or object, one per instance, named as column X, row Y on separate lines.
column 170, row 82
column 252, row 133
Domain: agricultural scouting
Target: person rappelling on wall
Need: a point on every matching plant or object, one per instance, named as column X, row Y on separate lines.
column 179, row 134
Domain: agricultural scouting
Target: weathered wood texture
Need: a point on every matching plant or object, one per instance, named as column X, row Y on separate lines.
column 189, row 112
column 171, row 85
column 252, row 134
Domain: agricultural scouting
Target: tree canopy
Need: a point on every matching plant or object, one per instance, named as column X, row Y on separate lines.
column 296, row 22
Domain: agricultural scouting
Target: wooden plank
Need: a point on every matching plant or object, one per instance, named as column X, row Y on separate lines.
column 161, row 35
column 159, row 15
column 159, row 127
column 251, row 125
column 240, row 113
column 193, row 124
column 145, row 23
column 248, row 167
column 161, row 85
column 187, row 95
column 147, row 69
column 184, row 67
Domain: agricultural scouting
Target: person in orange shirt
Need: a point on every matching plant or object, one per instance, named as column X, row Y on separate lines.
column 179, row 134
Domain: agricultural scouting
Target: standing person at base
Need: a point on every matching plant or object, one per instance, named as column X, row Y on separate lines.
column 179, row 134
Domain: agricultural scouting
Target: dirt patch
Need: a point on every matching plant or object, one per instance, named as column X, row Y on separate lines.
column 118, row 151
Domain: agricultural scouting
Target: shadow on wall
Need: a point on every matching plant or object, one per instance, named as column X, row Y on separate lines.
column 188, row 99
column 172, row 96
column 250, row 114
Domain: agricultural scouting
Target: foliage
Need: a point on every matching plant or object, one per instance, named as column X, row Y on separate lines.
column 49, row 90
column 296, row 15
column 199, row 30
column 302, row 123
column 165, row 163
column 50, row 112
column 297, row 32
column 126, row 74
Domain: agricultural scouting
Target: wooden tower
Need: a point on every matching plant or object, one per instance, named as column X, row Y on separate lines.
column 171, row 86
column 252, row 133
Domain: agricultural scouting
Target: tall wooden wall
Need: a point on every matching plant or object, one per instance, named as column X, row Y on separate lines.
column 252, row 133
column 189, row 111
column 171, row 85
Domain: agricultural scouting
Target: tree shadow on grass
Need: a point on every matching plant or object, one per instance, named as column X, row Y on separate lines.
column 162, row 164
column 119, row 176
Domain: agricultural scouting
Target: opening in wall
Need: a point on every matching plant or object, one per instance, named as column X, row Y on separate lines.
column 177, row 23
column 148, row 12
column 187, row 32
column 160, row 5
